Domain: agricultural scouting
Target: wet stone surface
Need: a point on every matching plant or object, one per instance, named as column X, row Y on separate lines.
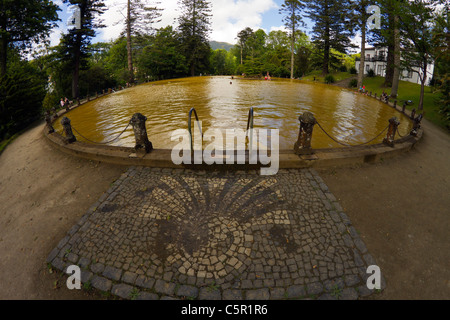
column 166, row 233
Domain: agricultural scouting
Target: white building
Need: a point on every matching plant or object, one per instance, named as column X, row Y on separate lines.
column 376, row 60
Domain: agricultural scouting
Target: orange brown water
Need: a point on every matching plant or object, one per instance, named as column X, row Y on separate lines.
column 347, row 116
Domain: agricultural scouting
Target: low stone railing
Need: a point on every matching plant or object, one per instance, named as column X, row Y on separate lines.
column 302, row 154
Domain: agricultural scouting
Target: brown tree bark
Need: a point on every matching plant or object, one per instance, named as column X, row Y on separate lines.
column 397, row 57
column 129, row 45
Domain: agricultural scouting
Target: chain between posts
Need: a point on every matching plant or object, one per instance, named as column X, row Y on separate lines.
column 103, row 143
column 349, row 145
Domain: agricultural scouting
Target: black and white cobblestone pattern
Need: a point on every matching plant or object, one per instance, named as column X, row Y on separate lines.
column 184, row 234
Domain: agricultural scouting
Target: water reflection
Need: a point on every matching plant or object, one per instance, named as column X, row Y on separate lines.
column 223, row 103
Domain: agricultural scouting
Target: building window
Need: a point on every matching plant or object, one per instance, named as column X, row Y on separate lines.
column 380, row 70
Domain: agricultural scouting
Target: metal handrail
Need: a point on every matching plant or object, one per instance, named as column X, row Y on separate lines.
column 250, row 126
column 190, row 126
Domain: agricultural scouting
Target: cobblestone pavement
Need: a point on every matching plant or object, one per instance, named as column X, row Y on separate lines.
column 166, row 233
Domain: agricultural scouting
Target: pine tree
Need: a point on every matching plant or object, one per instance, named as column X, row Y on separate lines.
column 388, row 36
column 74, row 44
column 139, row 20
column 330, row 29
column 194, row 28
column 243, row 37
column 292, row 20
column 415, row 25
column 359, row 19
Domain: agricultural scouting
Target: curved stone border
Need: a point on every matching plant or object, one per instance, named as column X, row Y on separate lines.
column 325, row 258
column 288, row 159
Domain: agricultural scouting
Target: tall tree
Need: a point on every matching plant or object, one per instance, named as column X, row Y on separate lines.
column 397, row 59
column 330, row 29
column 141, row 15
column 441, row 42
column 292, row 20
column 22, row 91
column 194, row 28
column 389, row 36
column 75, row 44
column 415, row 19
column 23, row 23
column 360, row 18
column 243, row 36
column 162, row 59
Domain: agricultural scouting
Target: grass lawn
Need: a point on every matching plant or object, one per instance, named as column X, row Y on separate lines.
column 338, row 76
column 409, row 91
column 406, row 91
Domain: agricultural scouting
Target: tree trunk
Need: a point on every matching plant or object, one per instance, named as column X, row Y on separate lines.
column 129, row 45
column 3, row 56
column 292, row 60
column 423, row 80
column 390, row 66
column 363, row 55
column 390, row 59
column 326, row 52
column 3, row 45
column 193, row 69
column 292, row 46
column 242, row 49
column 397, row 57
column 76, row 67
column 75, row 79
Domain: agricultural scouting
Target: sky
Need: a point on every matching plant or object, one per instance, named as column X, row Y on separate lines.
column 228, row 18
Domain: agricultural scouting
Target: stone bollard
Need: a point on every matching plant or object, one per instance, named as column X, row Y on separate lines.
column 78, row 101
column 393, row 125
column 404, row 107
column 303, row 144
column 140, row 133
column 375, row 95
column 395, row 104
column 48, row 120
column 67, row 128
column 416, row 125
column 413, row 113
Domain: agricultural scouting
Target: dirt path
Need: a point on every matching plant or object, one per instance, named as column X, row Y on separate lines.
column 400, row 207
column 43, row 193
column 344, row 83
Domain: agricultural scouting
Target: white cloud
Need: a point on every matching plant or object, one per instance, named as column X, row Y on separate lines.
column 280, row 28
column 228, row 17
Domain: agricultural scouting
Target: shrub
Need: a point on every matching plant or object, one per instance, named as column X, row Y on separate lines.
column 21, row 95
column 353, row 70
column 353, row 83
column 371, row 73
column 329, row 79
column 343, row 69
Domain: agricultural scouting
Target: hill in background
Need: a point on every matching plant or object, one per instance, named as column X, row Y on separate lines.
column 220, row 45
